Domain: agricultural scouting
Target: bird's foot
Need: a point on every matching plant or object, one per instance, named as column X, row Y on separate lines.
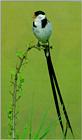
column 43, row 46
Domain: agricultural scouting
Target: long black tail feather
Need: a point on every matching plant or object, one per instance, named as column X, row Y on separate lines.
column 54, row 83
column 54, row 92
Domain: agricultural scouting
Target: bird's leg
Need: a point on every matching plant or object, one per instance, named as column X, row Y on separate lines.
column 43, row 46
column 49, row 44
column 38, row 46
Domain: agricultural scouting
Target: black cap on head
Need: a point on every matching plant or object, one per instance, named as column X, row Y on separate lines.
column 38, row 13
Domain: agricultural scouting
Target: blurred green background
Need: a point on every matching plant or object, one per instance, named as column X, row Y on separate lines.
column 66, row 53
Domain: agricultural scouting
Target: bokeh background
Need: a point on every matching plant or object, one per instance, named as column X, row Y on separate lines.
column 66, row 53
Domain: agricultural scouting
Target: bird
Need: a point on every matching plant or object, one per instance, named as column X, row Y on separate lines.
column 42, row 27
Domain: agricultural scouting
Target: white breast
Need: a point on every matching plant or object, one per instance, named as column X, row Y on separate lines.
column 43, row 34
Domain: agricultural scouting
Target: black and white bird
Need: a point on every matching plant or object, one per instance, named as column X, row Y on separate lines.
column 42, row 28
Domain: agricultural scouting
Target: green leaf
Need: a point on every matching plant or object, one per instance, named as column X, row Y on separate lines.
column 12, row 72
column 25, row 132
column 45, row 133
column 19, row 54
column 22, row 80
column 42, row 124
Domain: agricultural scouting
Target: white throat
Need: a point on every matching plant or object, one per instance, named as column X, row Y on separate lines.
column 38, row 19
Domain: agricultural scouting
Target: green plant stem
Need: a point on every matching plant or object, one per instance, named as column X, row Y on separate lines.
column 18, row 68
column 14, row 109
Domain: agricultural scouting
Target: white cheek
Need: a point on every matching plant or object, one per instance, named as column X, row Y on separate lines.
column 40, row 17
column 38, row 23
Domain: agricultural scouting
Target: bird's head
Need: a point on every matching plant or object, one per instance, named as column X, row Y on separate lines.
column 40, row 15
